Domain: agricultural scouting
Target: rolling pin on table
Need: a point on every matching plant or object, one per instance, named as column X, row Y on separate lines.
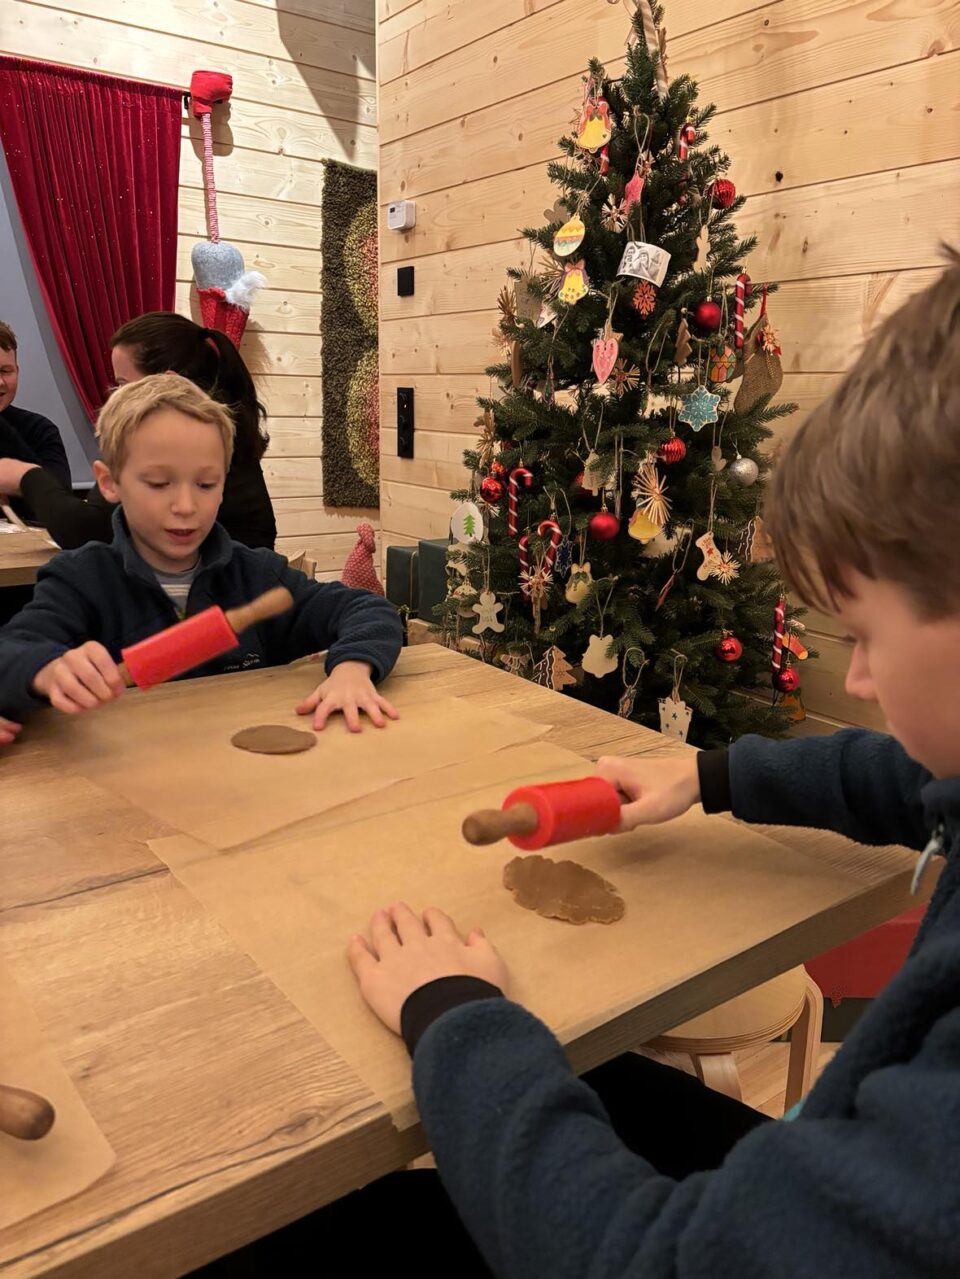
column 534, row 817
column 24, row 1114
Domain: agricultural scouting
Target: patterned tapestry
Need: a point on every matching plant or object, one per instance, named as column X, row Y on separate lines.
column 348, row 329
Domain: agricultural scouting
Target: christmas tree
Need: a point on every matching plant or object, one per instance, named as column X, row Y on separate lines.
column 616, row 484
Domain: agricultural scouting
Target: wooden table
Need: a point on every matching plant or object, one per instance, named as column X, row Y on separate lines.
column 229, row 1114
column 22, row 553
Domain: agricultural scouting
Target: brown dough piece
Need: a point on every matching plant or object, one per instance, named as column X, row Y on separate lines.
column 273, row 739
column 562, row 890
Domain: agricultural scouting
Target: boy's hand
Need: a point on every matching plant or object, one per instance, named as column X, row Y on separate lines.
column 8, row 731
column 348, row 688
column 80, row 680
column 406, row 952
column 657, row 790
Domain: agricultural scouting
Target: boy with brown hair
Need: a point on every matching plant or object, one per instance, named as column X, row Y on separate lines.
column 26, row 436
column 671, row 1180
column 166, row 448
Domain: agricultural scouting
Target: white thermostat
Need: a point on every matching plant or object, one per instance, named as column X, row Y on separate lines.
column 402, row 215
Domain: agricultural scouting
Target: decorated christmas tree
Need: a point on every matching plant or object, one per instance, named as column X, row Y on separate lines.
column 614, row 507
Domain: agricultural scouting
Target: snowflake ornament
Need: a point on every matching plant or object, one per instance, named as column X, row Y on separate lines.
column 699, row 409
column 727, row 569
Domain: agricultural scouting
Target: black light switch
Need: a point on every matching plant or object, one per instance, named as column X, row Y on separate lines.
column 405, row 420
column 405, row 281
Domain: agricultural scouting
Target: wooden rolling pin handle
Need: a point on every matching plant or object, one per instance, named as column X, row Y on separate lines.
column 493, row 824
column 25, row 1114
column 270, row 604
column 125, row 675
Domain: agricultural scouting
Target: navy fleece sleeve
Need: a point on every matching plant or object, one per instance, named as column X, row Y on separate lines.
column 858, row 783
column 353, row 626
column 55, row 620
column 548, row 1191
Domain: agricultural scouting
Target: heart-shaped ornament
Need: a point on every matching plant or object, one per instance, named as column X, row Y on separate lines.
column 605, row 352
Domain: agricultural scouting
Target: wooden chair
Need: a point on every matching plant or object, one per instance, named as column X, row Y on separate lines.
column 303, row 562
column 791, row 1002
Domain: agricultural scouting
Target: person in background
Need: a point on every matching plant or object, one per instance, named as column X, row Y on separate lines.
column 162, row 342
column 25, row 437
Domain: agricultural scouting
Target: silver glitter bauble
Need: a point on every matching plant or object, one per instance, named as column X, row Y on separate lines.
column 743, row 471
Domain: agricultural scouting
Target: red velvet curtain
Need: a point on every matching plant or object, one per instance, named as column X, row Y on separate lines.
column 94, row 161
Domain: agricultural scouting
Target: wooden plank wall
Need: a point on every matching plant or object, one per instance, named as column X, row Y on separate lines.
column 304, row 91
column 842, row 120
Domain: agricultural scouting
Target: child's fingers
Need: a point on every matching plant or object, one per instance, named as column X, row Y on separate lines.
column 106, row 667
column 408, row 925
column 440, row 924
column 75, row 690
column 351, row 715
column 61, row 702
column 388, row 708
column 475, row 936
column 309, row 703
column 385, row 940
column 89, row 676
column 619, row 772
column 8, row 731
column 369, row 704
column 361, row 957
column 325, row 709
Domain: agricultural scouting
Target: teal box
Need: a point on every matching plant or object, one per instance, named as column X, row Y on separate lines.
column 432, row 562
column 403, row 584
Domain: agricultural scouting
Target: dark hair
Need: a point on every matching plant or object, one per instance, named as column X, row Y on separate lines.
column 162, row 341
column 8, row 339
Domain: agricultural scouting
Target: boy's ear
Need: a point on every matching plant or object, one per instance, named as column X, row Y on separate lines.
column 105, row 481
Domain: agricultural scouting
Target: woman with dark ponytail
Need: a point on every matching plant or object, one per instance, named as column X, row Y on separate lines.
column 160, row 342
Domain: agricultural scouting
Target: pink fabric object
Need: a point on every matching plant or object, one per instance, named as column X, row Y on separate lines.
column 358, row 571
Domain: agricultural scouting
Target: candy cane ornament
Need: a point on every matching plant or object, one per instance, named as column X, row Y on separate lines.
column 739, row 301
column 556, row 535
column 518, row 475
column 776, row 661
column 688, row 135
column 522, row 547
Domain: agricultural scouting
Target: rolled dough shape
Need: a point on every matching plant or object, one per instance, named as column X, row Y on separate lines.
column 273, row 739
column 562, row 890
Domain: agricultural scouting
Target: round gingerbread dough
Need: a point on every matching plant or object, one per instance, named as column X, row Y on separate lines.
column 273, row 739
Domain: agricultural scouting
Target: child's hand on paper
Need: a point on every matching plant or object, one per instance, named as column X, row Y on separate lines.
column 80, row 680
column 656, row 790
column 9, row 729
column 406, row 952
column 348, row 689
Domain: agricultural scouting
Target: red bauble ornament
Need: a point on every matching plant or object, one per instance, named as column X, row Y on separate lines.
column 787, row 680
column 707, row 316
column 671, row 451
column 497, row 470
column 491, row 490
column 723, row 193
column 729, row 649
column 604, row 526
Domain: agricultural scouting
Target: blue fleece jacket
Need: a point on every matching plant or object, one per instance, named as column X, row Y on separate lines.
column 865, row 1182
column 108, row 593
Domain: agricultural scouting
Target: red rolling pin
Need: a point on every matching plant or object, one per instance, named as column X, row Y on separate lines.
column 552, row 813
column 196, row 640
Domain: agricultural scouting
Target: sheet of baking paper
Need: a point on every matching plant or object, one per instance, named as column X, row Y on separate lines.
column 174, row 758
column 74, row 1153
column 698, row 891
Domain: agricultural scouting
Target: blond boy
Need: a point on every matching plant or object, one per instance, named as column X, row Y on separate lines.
column 166, row 447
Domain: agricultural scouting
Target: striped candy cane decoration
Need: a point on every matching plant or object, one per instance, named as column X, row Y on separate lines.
column 518, row 475
column 778, row 621
column 522, row 546
column 556, row 533
column 688, row 135
column 739, row 301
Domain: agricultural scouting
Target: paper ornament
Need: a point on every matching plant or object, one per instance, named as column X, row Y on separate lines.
column 569, row 238
column 553, row 670
column 722, row 364
column 683, row 346
column 596, row 477
column 665, row 543
column 645, row 262
column 703, row 249
column 526, row 304
column 605, row 352
column 642, row 527
column 632, row 192
column 581, row 580
column 675, row 717
column 547, row 316
column 487, row 610
column 699, row 409
column 594, row 129
column 575, row 285
column 466, row 523
column 711, row 557
column 598, row 660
